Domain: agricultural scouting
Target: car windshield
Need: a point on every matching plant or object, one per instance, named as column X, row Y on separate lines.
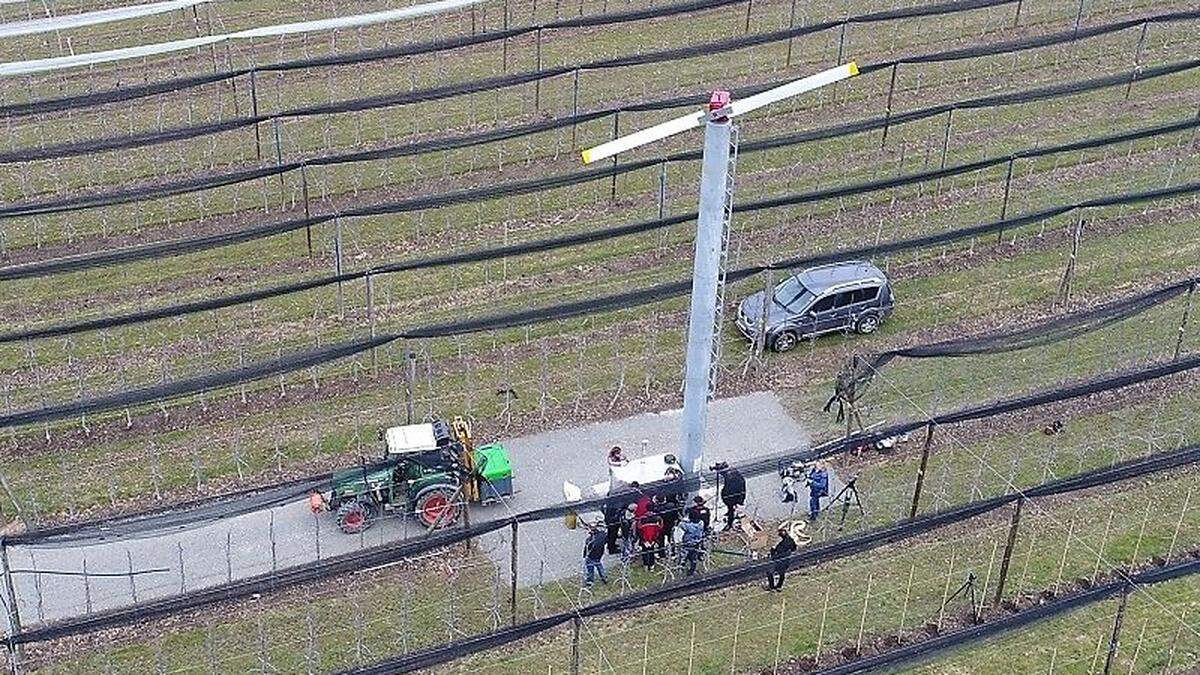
column 792, row 295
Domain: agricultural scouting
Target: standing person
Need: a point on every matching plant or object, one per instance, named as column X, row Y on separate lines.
column 733, row 492
column 700, row 510
column 818, row 486
column 693, row 540
column 616, row 456
column 780, row 559
column 593, row 555
column 649, row 532
column 613, row 511
column 668, row 511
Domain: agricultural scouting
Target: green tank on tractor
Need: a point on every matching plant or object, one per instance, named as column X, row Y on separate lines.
column 430, row 471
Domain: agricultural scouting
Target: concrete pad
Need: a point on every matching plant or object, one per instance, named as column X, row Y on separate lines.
column 174, row 560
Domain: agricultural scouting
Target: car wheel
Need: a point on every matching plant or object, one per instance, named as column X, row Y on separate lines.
column 866, row 324
column 784, row 342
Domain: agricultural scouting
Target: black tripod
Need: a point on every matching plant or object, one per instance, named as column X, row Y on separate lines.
column 967, row 586
column 848, row 494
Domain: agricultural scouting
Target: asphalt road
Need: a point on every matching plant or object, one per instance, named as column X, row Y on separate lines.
column 172, row 560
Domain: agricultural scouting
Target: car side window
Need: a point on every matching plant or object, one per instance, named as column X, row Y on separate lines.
column 865, row 294
column 844, row 299
column 824, row 304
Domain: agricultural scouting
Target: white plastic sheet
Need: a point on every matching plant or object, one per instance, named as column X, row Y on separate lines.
column 93, row 58
column 53, row 23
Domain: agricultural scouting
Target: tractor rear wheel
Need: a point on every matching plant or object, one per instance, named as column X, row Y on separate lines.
column 435, row 506
column 354, row 516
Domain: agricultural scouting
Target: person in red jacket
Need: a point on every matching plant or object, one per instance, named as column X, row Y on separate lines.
column 650, row 528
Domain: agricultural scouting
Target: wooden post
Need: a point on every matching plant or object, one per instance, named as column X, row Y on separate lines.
column 662, row 190
column 14, row 616
column 616, row 132
column 841, row 43
column 791, row 25
column 1017, row 16
column 1137, row 59
column 337, row 262
column 307, row 213
column 575, row 109
column 749, row 8
column 1064, row 288
column 916, row 498
column 946, row 140
column 275, row 124
column 537, row 84
column 575, row 645
column 1183, row 321
column 1008, row 550
column 1115, row 640
column 254, row 114
column 410, row 376
column 1004, row 204
column 887, row 112
column 371, row 320
column 512, row 568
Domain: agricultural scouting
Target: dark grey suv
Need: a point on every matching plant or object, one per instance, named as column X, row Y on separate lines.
column 844, row 296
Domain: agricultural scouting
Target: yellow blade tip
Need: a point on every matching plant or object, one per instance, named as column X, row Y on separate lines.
column 853, row 68
column 587, row 156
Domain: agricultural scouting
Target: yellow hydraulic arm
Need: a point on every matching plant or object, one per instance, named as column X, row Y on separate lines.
column 462, row 431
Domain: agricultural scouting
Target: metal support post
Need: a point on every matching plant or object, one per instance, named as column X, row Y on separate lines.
column 841, row 44
column 916, row 498
column 1115, row 640
column 512, row 569
column 706, row 273
column 1008, row 550
column 749, row 8
column 1017, row 16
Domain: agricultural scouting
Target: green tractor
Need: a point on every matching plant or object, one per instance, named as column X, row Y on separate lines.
column 430, row 471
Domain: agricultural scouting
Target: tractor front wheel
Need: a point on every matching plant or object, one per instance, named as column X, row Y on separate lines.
column 354, row 516
column 435, row 506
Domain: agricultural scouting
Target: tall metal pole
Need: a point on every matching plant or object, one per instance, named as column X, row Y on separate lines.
column 706, row 268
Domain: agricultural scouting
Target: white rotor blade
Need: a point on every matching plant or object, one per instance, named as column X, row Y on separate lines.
column 693, row 120
column 649, row 135
column 806, row 84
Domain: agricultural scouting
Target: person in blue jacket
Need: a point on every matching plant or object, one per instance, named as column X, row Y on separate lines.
column 818, row 486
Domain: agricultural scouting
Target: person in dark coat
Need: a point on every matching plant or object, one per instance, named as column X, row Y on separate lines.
column 668, row 511
column 693, row 540
column 593, row 555
column 818, row 486
column 613, row 512
column 781, row 559
column 700, row 510
column 733, row 492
